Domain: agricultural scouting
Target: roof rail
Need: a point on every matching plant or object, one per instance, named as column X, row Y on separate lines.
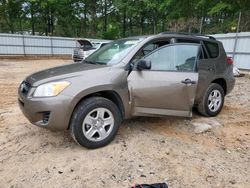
column 190, row 34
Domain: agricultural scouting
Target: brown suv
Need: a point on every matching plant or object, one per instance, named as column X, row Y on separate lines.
column 157, row 75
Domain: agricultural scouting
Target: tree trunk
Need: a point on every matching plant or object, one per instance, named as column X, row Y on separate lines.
column 10, row 26
column 162, row 25
column 189, row 25
column 105, row 16
column 130, row 27
column 142, row 25
column 154, row 25
column 124, row 23
column 32, row 24
column 20, row 25
column 51, row 23
column 93, row 17
column 49, row 20
column 32, row 20
column 46, row 25
column 155, row 21
column 85, row 19
column 201, row 25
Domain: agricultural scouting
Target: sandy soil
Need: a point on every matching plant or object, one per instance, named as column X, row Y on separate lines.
column 146, row 150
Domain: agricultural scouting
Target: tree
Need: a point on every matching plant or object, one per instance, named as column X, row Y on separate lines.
column 113, row 19
column 11, row 14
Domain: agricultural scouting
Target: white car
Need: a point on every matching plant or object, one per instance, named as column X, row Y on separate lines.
column 87, row 47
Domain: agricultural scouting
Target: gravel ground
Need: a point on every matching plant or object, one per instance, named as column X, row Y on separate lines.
column 146, row 150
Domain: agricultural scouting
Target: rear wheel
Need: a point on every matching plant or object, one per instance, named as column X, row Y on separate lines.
column 95, row 122
column 212, row 101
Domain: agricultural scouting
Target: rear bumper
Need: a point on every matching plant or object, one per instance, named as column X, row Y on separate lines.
column 230, row 84
column 52, row 112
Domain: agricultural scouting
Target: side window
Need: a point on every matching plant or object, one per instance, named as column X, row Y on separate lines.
column 212, row 48
column 181, row 57
column 202, row 53
column 148, row 48
column 86, row 47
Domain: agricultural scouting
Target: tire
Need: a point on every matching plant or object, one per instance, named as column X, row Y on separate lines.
column 95, row 122
column 213, row 101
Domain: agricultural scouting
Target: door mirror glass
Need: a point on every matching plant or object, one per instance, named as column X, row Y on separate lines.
column 143, row 64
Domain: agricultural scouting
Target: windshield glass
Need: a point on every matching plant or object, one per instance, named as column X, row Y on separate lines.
column 112, row 53
column 86, row 47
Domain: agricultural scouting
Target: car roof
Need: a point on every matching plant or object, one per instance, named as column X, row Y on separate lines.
column 191, row 36
column 87, row 40
column 101, row 42
column 184, row 34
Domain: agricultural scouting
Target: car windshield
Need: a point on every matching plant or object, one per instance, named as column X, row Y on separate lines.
column 112, row 53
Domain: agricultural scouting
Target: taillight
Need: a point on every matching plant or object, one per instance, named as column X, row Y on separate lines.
column 230, row 60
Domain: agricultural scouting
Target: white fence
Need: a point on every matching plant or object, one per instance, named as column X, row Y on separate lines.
column 238, row 47
column 12, row 44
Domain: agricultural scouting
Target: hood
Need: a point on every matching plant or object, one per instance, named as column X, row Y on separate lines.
column 61, row 72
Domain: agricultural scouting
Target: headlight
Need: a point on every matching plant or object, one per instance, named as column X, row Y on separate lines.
column 50, row 89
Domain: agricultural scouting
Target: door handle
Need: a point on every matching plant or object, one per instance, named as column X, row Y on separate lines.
column 210, row 69
column 188, row 82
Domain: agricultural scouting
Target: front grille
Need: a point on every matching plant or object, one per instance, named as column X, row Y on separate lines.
column 25, row 88
column 75, row 52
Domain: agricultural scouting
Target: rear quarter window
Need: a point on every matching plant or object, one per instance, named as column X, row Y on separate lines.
column 212, row 48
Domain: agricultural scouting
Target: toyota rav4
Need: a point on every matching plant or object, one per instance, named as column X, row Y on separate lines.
column 159, row 75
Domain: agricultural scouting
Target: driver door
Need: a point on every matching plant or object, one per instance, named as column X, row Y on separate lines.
column 169, row 87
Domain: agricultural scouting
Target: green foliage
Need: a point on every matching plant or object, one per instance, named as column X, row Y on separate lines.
column 111, row 19
column 220, row 7
column 112, row 33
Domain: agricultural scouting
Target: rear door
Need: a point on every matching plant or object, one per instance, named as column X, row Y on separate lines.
column 169, row 87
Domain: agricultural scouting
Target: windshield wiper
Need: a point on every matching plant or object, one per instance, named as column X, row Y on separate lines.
column 91, row 62
column 94, row 62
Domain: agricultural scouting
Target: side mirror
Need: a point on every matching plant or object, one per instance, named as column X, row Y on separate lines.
column 143, row 64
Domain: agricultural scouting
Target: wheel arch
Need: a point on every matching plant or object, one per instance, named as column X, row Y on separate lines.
column 222, row 82
column 108, row 94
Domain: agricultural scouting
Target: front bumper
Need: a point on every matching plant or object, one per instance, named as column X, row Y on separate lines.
column 77, row 58
column 51, row 112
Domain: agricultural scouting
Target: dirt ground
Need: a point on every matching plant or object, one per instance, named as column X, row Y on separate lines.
column 146, row 150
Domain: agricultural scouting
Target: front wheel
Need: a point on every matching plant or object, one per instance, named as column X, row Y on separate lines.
column 213, row 100
column 95, row 122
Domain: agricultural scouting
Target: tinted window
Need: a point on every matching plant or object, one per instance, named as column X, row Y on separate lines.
column 180, row 57
column 87, row 47
column 212, row 48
